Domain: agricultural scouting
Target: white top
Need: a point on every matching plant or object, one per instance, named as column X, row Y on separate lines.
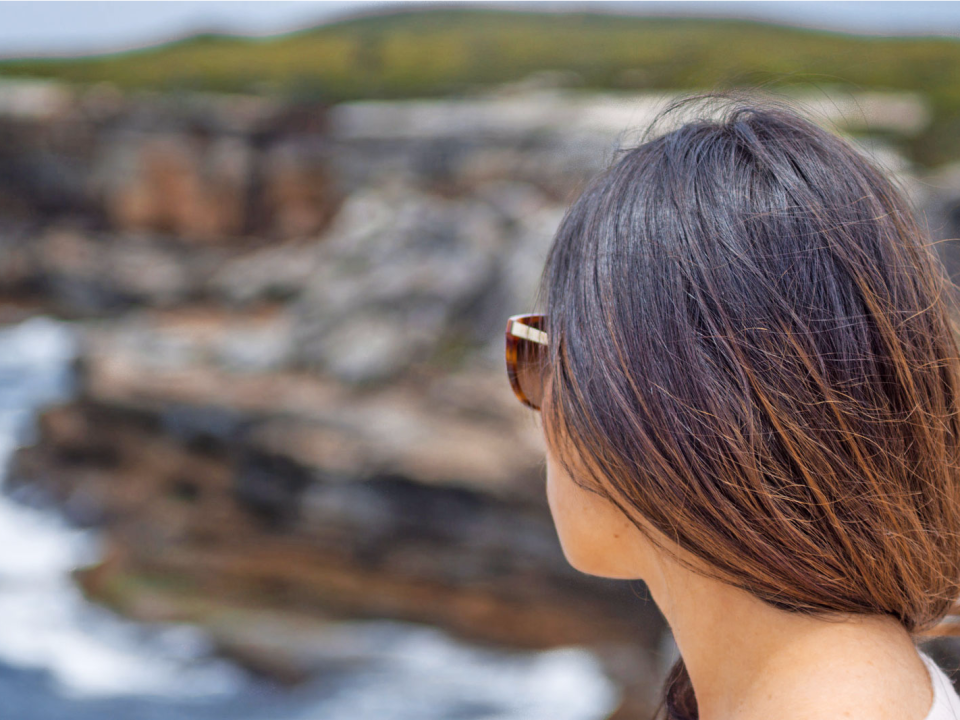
column 946, row 702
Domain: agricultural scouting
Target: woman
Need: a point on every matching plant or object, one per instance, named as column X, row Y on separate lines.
column 749, row 386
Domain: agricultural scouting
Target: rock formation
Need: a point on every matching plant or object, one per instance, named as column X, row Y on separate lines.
column 291, row 404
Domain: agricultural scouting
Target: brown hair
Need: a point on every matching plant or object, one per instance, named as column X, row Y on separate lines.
column 750, row 347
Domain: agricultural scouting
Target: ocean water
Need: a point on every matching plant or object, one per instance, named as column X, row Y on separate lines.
column 64, row 658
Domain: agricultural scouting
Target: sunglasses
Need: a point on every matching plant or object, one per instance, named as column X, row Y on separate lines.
column 526, row 352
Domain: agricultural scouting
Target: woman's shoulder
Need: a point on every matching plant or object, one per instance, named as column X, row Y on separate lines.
column 946, row 701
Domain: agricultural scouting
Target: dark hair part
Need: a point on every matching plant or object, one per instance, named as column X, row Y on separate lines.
column 751, row 351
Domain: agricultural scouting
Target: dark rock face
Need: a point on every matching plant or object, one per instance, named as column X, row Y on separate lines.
column 270, row 486
column 199, row 167
column 216, row 507
column 164, row 495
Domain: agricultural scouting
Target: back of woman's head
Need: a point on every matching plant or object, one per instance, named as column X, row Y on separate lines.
column 751, row 351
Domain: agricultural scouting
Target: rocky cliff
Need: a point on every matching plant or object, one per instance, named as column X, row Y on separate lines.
column 291, row 405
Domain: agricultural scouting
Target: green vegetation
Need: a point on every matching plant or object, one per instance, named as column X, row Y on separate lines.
column 431, row 52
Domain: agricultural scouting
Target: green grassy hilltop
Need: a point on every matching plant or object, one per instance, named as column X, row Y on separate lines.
column 442, row 51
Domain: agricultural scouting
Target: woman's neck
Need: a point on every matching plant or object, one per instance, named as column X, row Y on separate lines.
column 747, row 659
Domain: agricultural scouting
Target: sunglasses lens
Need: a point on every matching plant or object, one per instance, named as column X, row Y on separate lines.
column 531, row 359
column 526, row 358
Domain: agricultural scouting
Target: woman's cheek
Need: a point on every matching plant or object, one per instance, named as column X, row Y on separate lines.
column 596, row 538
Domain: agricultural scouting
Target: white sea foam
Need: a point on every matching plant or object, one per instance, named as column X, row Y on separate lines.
column 419, row 673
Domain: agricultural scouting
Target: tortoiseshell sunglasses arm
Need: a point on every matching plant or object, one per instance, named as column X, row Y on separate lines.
column 528, row 333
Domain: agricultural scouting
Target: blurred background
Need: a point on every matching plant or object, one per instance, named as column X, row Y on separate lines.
column 260, row 456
